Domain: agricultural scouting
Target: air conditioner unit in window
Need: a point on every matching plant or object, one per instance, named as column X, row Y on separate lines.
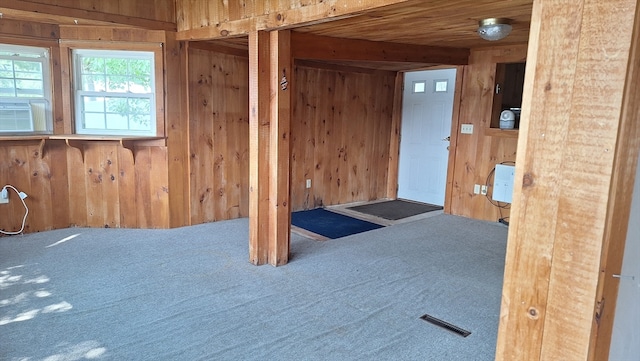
column 16, row 117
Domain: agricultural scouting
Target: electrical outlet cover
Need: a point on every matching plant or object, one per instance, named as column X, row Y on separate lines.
column 466, row 129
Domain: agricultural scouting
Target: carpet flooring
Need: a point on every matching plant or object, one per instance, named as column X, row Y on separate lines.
column 190, row 294
column 395, row 209
column 330, row 224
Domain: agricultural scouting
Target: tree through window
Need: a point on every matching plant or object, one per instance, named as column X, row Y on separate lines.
column 115, row 92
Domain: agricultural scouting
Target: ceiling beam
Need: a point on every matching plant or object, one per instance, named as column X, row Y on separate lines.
column 316, row 47
column 39, row 12
column 321, row 12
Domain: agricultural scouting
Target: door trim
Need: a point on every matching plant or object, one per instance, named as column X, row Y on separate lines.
column 453, row 143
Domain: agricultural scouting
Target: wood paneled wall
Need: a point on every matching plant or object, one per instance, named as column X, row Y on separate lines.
column 93, row 183
column 478, row 153
column 341, row 130
column 106, row 189
column 219, row 135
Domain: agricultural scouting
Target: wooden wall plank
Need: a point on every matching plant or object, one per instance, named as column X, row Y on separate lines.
column 341, row 129
column 477, row 154
column 157, row 14
column 126, row 178
column 158, row 187
column 219, row 129
column 560, row 210
column 77, row 189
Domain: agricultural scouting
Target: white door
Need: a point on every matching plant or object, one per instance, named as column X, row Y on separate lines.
column 427, row 108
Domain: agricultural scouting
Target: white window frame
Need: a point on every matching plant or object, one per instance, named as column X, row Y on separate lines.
column 79, row 93
column 42, row 57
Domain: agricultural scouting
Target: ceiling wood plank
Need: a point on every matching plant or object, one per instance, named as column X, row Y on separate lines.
column 308, row 46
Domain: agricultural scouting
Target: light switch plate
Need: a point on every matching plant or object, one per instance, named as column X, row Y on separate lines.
column 466, row 129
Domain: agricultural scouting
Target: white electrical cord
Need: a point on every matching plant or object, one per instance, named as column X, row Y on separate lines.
column 26, row 209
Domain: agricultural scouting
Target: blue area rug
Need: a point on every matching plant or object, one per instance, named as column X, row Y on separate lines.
column 329, row 224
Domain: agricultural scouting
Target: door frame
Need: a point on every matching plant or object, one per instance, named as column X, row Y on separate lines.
column 396, row 126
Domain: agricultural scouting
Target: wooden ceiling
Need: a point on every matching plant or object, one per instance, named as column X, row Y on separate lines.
column 450, row 23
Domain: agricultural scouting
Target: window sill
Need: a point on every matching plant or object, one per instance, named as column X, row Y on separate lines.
column 77, row 140
column 497, row 132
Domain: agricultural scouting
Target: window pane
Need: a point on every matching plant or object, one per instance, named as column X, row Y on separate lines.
column 7, row 88
column 29, row 88
column 116, row 83
column 94, row 121
column 117, row 122
column 93, row 83
column 140, row 85
column 117, row 105
column 92, row 104
column 140, row 67
column 116, row 66
column 140, row 122
column 140, row 106
column 92, row 65
column 27, row 66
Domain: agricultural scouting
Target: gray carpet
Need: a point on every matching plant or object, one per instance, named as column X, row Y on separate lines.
column 395, row 209
column 190, row 294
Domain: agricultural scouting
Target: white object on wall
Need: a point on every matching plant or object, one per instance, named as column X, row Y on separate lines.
column 503, row 183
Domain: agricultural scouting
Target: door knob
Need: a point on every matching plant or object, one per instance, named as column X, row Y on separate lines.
column 448, row 139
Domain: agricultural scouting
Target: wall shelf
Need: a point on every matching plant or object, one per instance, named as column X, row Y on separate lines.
column 497, row 132
column 127, row 142
column 21, row 139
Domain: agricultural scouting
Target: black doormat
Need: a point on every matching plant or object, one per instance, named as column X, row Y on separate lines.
column 329, row 224
column 395, row 209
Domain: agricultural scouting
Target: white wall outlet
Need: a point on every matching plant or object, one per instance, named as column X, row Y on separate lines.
column 4, row 196
column 308, row 183
column 476, row 189
column 466, row 129
column 483, row 190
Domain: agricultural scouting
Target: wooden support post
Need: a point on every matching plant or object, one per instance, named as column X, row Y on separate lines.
column 177, row 130
column 259, row 114
column 269, row 146
column 579, row 141
column 279, row 168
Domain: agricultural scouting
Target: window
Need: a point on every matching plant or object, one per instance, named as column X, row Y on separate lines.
column 25, row 90
column 419, row 86
column 440, row 86
column 115, row 92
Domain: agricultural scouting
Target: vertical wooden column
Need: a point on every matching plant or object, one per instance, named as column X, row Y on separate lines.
column 279, row 167
column 177, row 129
column 579, row 139
column 259, row 133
